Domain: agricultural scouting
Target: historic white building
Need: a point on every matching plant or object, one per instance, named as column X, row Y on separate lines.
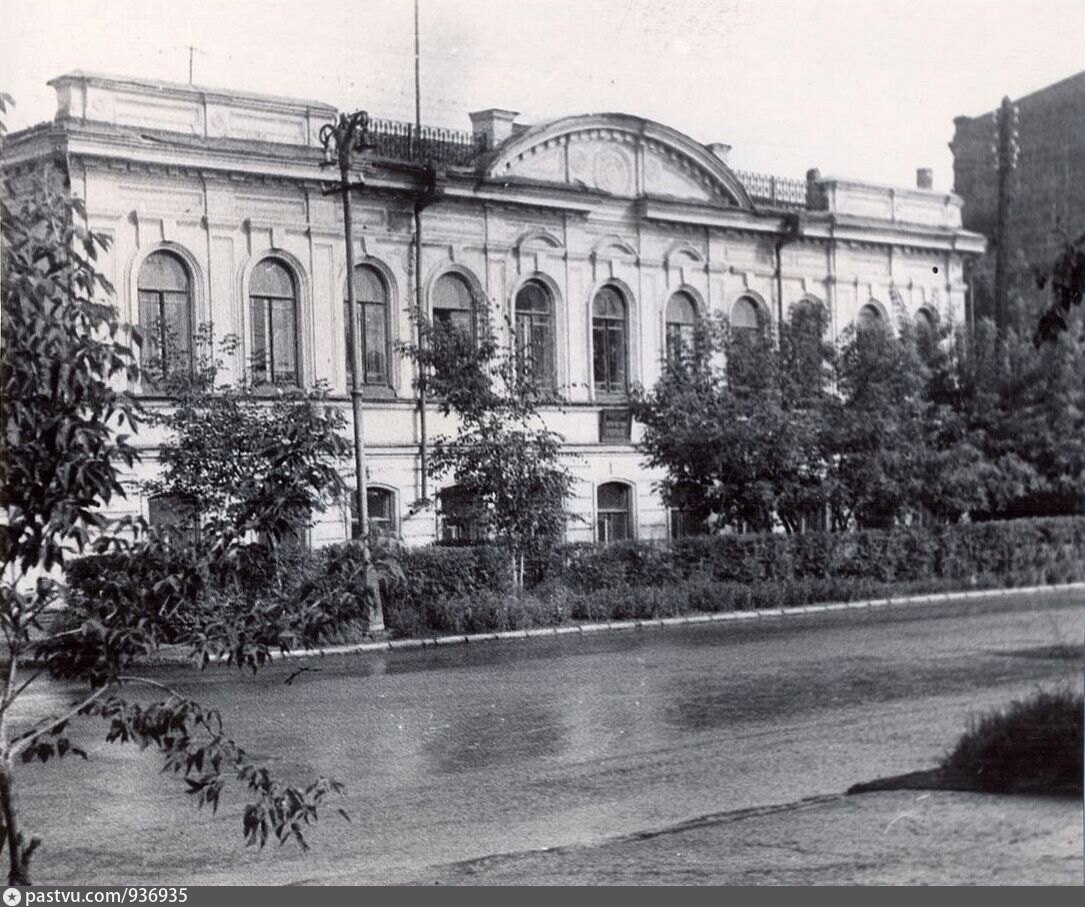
column 597, row 234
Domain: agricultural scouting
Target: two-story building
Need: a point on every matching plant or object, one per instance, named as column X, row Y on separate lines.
column 595, row 234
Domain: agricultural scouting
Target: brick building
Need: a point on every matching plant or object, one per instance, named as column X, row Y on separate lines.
column 1047, row 188
column 600, row 233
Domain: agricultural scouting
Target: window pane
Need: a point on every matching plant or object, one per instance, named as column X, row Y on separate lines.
column 259, row 357
column 616, row 355
column 284, row 342
column 150, row 319
column 679, row 338
column 452, row 292
column 533, row 298
column 163, row 271
column 608, row 304
column 680, row 310
column 177, row 332
column 368, row 285
column 599, row 354
column 744, row 315
column 270, row 278
column 376, row 343
column 613, row 496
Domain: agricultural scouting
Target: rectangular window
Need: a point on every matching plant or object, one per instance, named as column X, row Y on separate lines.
column 167, row 334
column 274, row 342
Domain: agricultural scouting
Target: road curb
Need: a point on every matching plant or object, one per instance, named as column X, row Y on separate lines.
column 396, row 645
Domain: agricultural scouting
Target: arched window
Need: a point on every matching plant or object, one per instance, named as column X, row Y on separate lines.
column 746, row 315
column 745, row 367
column 681, row 320
column 165, row 314
column 371, row 301
column 273, row 310
column 925, row 321
column 926, row 333
column 454, row 304
column 609, row 342
column 870, row 316
column 535, row 334
column 613, row 508
column 460, row 518
column 381, row 510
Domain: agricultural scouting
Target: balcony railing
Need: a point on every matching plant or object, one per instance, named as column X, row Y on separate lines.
column 392, row 140
column 774, row 191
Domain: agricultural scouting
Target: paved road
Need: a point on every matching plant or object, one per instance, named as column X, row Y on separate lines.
column 458, row 753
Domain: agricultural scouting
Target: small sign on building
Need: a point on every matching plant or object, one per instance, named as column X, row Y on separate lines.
column 615, row 426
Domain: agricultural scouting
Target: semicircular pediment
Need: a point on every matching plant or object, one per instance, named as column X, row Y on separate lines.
column 620, row 155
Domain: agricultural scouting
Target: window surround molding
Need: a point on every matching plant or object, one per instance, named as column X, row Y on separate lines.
column 303, row 288
column 341, row 377
column 926, row 310
column 473, row 283
column 349, row 506
column 879, row 307
column 632, row 338
column 197, row 282
column 700, row 311
column 682, row 260
column 559, row 332
column 759, row 303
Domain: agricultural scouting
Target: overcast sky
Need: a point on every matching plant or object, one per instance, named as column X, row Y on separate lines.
column 863, row 88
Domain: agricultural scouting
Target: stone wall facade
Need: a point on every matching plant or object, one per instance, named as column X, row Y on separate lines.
column 224, row 181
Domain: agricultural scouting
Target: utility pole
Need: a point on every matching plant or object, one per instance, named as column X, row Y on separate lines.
column 191, row 54
column 418, row 205
column 341, row 139
column 1007, row 151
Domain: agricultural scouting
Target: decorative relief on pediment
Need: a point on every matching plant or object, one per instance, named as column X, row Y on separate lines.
column 613, row 171
column 622, row 156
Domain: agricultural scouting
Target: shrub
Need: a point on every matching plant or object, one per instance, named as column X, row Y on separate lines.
column 1033, row 746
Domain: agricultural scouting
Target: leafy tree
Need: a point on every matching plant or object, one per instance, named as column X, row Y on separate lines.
column 247, row 463
column 734, row 422
column 63, row 367
column 876, row 433
column 1026, row 404
column 503, row 457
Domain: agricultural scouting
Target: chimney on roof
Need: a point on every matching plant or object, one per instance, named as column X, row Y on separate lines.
column 720, row 149
column 496, row 124
column 924, row 178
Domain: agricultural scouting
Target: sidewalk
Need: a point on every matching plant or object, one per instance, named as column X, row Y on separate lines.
column 898, row 838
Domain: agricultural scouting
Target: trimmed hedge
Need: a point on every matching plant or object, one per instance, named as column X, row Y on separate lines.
column 468, row 589
column 1024, row 552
